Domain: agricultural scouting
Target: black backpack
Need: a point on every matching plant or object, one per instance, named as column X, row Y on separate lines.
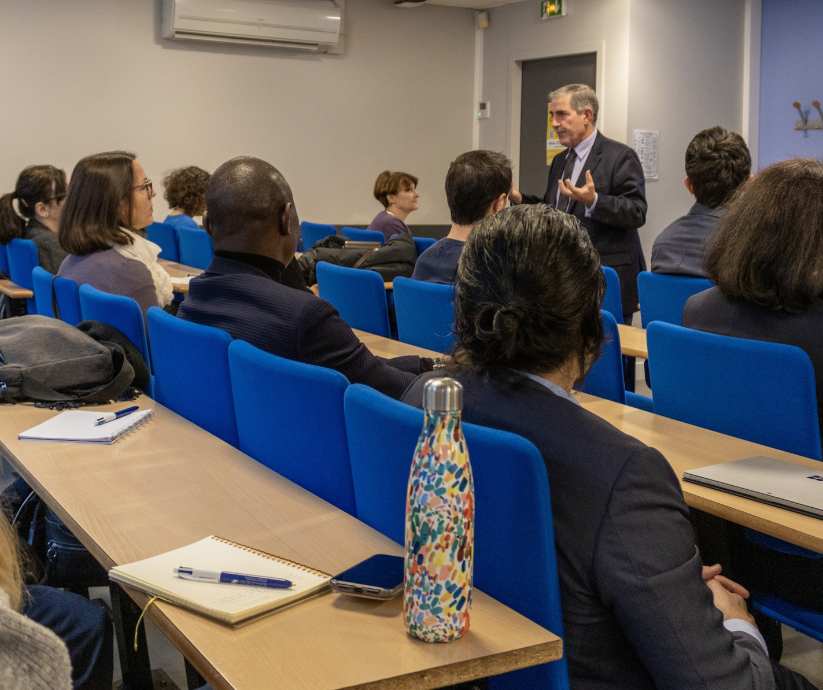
column 50, row 361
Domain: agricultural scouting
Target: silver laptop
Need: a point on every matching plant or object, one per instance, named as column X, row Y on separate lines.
column 772, row 481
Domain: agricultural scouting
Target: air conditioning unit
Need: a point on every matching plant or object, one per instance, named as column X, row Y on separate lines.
column 311, row 25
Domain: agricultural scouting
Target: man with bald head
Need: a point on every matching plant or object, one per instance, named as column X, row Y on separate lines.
column 250, row 291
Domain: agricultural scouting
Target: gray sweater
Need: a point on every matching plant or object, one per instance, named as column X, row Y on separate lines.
column 31, row 657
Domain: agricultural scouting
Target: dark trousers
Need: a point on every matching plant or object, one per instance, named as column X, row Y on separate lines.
column 83, row 625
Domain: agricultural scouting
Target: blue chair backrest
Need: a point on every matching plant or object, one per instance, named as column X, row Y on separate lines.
column 421, row 244
column 290, row 418
column 425, row 313
column 165, row 236
column 605, row 377
column 514, row 537
column 612, row 301
column 358, row 294
column 43, row 294
column 362, row 235
column 312, row 233
column 191, row 372
column 195, row 247
column 755, row 390
column 116, row 310
column 4, row 260
column 67, row 293
column 23, row 257
column 662, row 297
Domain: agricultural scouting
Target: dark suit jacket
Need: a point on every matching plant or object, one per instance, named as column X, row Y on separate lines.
column 681, row 248
column 250, row 305
column 620, row 210
column 637, row 615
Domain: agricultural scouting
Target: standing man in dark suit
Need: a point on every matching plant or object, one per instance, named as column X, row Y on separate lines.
column 600, row 181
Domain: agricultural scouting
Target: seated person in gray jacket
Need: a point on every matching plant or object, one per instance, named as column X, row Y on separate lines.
column 477, row 184
column 252, row 290
column 640, row 610
column 717, row 163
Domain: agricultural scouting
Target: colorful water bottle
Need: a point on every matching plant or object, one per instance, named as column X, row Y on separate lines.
column 439, row 521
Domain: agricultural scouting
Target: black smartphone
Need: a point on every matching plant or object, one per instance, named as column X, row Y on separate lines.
column 378, row 577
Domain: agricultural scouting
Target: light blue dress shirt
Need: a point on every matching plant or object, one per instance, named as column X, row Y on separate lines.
column 581, row 153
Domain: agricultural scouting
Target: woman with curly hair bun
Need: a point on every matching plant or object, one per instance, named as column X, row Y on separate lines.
column 186, row 196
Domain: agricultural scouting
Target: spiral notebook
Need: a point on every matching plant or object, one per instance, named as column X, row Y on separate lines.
column 228, row 603
column 80, row 425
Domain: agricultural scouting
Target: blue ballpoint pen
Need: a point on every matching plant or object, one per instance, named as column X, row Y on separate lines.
column 223, row 577
column 107, row 417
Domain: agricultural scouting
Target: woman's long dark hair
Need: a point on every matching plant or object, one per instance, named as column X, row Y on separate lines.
column 92, row 216
column 37, row 183
column 768, row 249
column 528, row 293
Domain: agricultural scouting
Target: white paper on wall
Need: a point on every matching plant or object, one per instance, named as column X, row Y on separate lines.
column 645, row 145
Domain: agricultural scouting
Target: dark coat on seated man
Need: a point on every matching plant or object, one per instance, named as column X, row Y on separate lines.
column 717, row 163
column 249, row 292
column 640, row 610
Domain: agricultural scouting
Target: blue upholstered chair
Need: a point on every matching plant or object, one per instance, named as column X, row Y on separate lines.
column 116, row 310
column 66, row 292
column 612, row 301
column 362, row 235
column 605, row 377
column 312, row 233
column 760, row 391
column 421, row 244
column 165, row 236
column 4, row 260
column 191, row 372
column 662, row 297
column 23, row 257
column 517, row 566
column 425, row 314
column 358, row 294
column 290, row 418
column 195, row 247
column 42, row 282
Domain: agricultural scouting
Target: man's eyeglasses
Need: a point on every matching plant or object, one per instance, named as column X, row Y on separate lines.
column 148, row 186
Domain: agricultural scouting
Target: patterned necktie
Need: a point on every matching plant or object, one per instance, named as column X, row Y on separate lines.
column 565, row 202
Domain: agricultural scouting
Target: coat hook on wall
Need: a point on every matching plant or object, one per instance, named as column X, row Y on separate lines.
column 804, row 124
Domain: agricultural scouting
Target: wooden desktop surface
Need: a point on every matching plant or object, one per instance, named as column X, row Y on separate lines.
column 178, row 272
column 685, row 447
column 633, row 341
column 170, row 483
column 13, row 291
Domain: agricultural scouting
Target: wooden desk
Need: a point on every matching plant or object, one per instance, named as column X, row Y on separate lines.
column 179, row 274
column 685, row 447
column 170, row 483
column 13, row 291
column 633, row 341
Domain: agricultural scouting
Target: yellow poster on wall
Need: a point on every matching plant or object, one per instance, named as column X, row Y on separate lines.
column 553, row 145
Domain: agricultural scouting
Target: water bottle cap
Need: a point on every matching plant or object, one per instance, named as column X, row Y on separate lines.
column 442, row 395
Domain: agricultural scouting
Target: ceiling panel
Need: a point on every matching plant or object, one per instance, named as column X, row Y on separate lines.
column 473, row 4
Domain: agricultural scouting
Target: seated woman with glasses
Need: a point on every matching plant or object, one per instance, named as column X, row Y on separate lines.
column 32, row 212
column 639, row 609
column 185, row 192
column 109, row 199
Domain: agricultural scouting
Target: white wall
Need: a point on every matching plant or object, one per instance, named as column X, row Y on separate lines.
column 90, row 75
column 685, row 72
column 516, row 33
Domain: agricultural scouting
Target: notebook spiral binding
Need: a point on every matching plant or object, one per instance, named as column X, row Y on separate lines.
column 271, row 557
